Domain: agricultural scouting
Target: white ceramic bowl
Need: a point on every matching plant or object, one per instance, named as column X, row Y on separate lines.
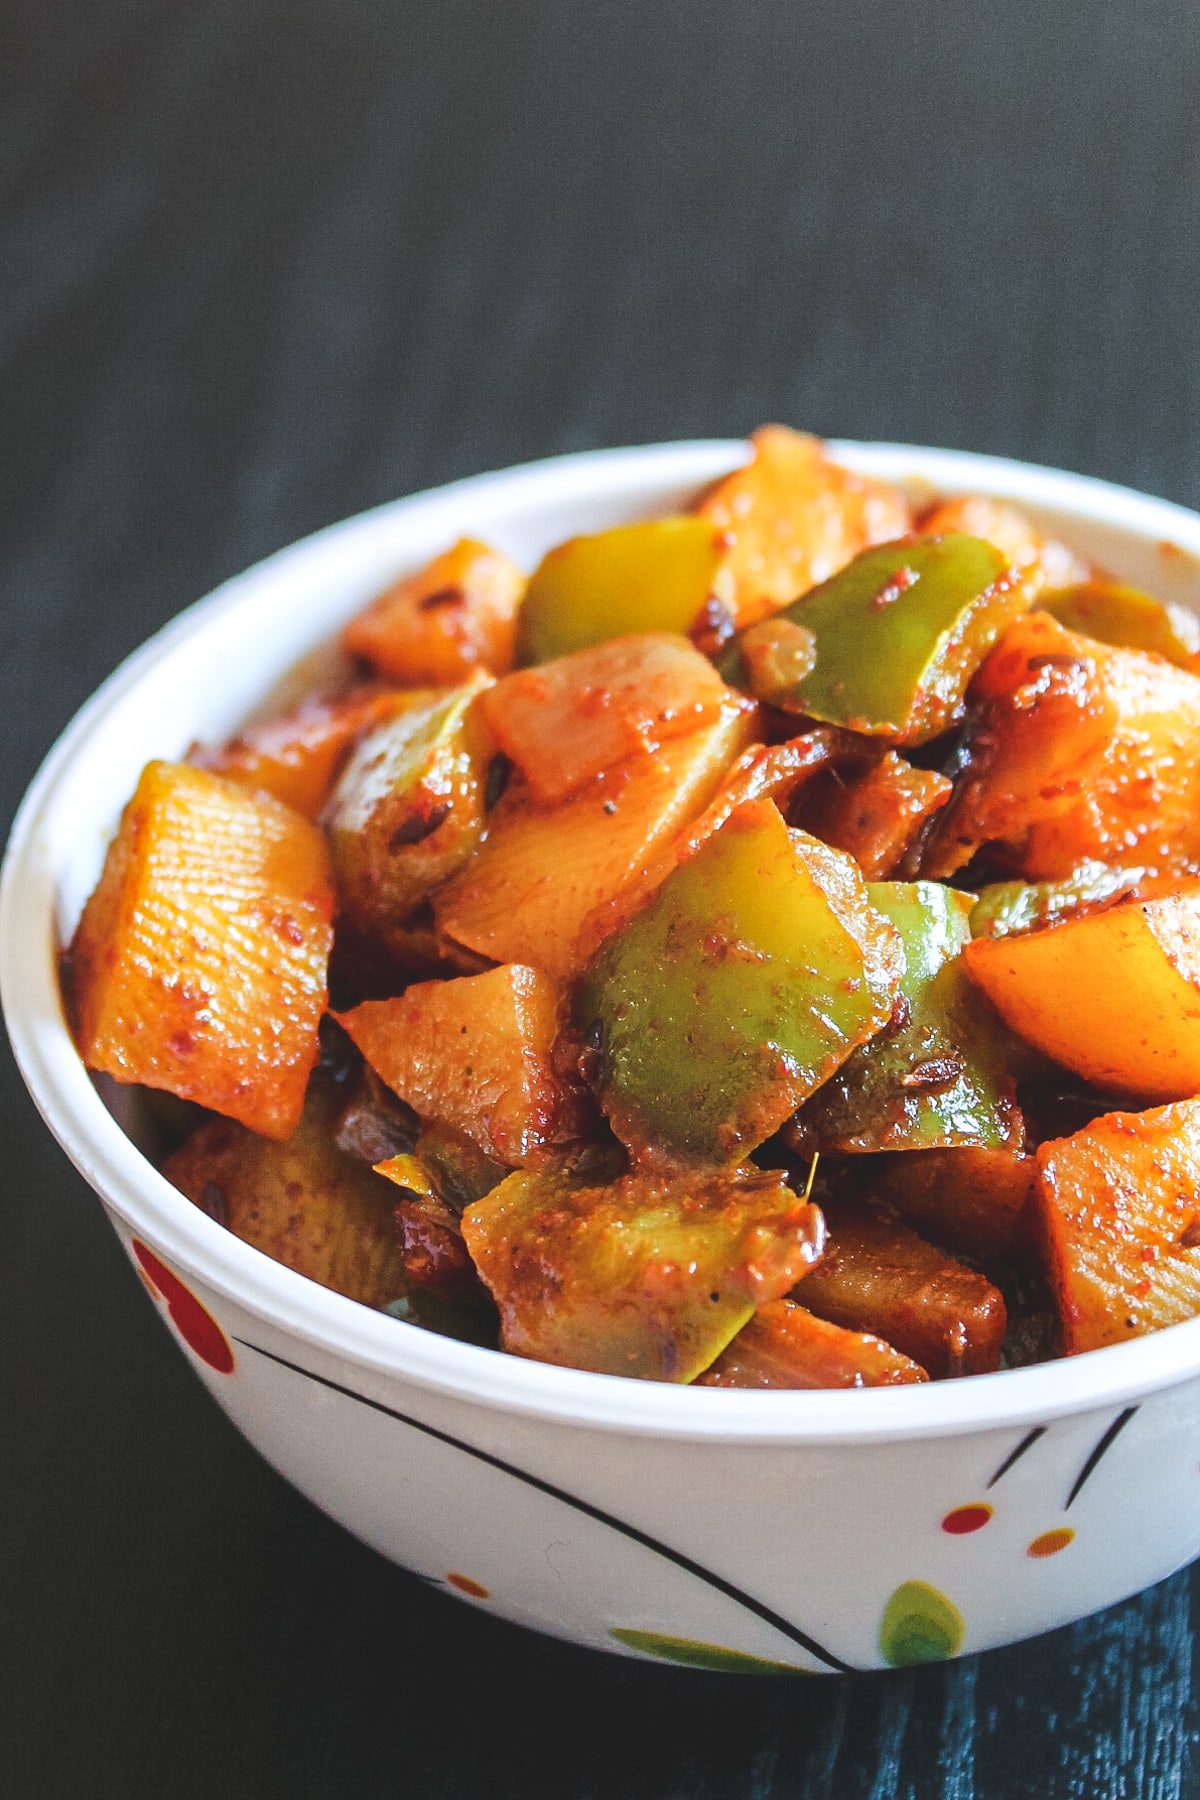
column 816, row 1531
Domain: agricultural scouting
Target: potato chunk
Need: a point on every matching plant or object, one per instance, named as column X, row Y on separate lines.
column 741, row 985
column 199, row 964
column 880, row 1277
column 474, row 1054
column 433, row 628
column 568, row 721
column 976, row 1202
column 1114, row 996
column 409, row 809
column 296, row 757
column 1120, row 1209
column 1049, row 562
column 793, row 518
column 1080, row 753
column 524, row 896
column 649, row 1278
column 786, row 1346
column 303, row 1202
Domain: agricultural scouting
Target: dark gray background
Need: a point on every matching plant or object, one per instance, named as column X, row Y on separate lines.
column 263, row 264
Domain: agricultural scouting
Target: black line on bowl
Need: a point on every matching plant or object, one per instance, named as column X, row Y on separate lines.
column 584, row 1506
column 1014, row 1456
column 1106, row 1442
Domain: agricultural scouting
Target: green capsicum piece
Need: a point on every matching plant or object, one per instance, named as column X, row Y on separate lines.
column 1005, row 908
column 888, row 645
column 1126, row 618
column 941, row 1078
column 648, row 1276
column 654, row 576
column 741, row 985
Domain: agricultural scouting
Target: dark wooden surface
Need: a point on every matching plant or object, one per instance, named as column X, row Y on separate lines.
column 263, row 264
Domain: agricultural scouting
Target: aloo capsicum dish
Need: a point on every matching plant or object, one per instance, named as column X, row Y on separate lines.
column 760, row 948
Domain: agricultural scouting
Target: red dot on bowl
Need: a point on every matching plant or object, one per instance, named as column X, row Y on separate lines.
column 466, row 1585
column 194, row 1323
column 967, row 1518
column 1051, row 1542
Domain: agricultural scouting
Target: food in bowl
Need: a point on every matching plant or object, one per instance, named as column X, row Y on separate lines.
column 760, row 949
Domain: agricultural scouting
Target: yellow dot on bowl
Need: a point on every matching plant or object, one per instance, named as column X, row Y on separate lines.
column 1051, row 1542
column 466, row 1585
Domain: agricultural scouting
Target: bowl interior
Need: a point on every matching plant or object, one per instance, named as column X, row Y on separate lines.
column 270, row 629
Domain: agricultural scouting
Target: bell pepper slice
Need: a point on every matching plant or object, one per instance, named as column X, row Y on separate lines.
column 1120, row 1209
column 897, row 636
column 1005, row 908
column 409, row 808
column 653, row 576
column 647, row 1277
column 1127, row 618
column 942, row 1078
column 786, row 1346
column 747, row 978
column 1115, row 997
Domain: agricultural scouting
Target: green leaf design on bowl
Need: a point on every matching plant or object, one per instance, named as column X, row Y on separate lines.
column 919, row 1625
column 696, row 1655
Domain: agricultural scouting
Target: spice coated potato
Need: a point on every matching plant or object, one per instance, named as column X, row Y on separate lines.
column 1116, row 996
column 645, row 959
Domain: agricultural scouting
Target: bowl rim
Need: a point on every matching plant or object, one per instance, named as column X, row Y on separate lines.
column 330, row 1323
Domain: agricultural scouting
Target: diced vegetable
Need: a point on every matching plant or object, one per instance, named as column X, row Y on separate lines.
column 1125, row 617
column 876, row 813
column 410, row 808
column 786, row 1346
column 977, row 1203
column 1120, row 1209
column 566, row 722
column 979, row 515
column 880, row 1277
column 199, row 963
column 655, row 576
column 526, row 893
column 898, row 635
column 297, row 756
column 435, row 1256
column 433, row 628
column 942, row 1076
column 1116, row 996
column 743, row 983
column 793, row 518
column 1007, row 907
column 1080, row 753
column 303, row 1202
column 648, row 1277
column 474, row 1054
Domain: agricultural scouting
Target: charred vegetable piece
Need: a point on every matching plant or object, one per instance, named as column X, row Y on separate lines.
column 199, row 963
column 474, row 1054
column 372, row 1124
column 1120, row 1209
column 793, row 518
column 744, row 982
column 649, row 1278
column 979, row 515
column 976, row 1203
column 303, row 1202
column 431, row 1240
column 459, row 1169
column 297, row 756
column 786, row 1346
column 409, row 809
column 880, row 1277
column 1006, row 908
column 566, row 722
column 941, row 1077
column 433, row 628
column 655, row 576
column 899, row 633
column 1080, row 753
column 876, row 813
column 1115, row 997
column 525, row 895
column 1125, row 617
